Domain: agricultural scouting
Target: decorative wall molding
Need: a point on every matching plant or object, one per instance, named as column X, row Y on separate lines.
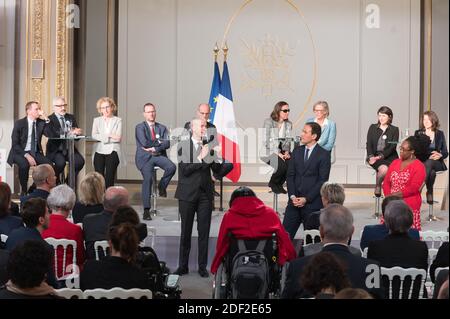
column 62, row 50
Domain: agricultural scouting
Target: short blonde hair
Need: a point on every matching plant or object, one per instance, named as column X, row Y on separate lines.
column 92, row 189
column 111, row 103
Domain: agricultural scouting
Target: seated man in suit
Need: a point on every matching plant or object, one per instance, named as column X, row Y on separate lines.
column 203, row 112
column 26, row 149
column 152, row 141
column 95, row 226
column 60, row 124
column 380, row 231
column 336, row 228
column 398, row 249
column 45, row 179
column 441, row 260
column 308, row 169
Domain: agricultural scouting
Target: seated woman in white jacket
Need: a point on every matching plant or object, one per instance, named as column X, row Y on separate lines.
column 107, row 129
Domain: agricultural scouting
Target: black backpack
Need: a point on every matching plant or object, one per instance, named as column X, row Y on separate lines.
column 249, row 272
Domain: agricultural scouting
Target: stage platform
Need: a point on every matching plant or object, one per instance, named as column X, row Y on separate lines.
column 359, row 200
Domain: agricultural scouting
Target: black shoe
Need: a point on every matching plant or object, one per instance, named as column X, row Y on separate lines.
column 203, row 273
column 147, row 215
column 430, row 200
column 216, row 193
column 162, row 191
column 181, row 271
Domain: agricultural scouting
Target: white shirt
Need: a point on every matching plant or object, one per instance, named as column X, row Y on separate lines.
column 196, row 143
column 30, row 131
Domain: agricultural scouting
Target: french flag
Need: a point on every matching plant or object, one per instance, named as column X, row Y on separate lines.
column 224, row 120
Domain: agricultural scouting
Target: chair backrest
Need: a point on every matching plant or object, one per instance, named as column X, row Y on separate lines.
column 118, row 293
column 437, row 270
column 3, row 238
column 64, row 243
column 432, row 253
column 80, row 224
column 365, row 252
column 69, row 293
column 313, row 234
column 102, row 245
column 437, row 237
column 403, row 273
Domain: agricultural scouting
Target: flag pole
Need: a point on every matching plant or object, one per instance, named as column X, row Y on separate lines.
column 225, row 51
column 216, row 51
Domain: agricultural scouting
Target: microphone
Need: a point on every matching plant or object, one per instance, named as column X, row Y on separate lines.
column 205, row 139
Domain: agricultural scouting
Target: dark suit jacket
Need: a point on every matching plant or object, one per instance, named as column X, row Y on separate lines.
column 4, row 256
column 95, row 227
column 143, row 140
column 9, row 223
column 194, row 176
column 53, row 129
column 306, row 179
column 390, row 150
column 441, row 260
column 36, row 193
column 440, row 145
column 356, row 272
column 19, row 137
column 380, row 231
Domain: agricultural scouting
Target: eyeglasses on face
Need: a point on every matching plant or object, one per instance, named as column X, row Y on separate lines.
column 105, row 107
column 321, row 111
column 60, row 105
column 286, row 110
column 402, row 149
column 203, row 113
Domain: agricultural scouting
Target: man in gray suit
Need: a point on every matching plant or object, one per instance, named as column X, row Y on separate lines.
column 152, row 141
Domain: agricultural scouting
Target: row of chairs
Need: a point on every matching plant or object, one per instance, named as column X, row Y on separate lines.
column 114, row 293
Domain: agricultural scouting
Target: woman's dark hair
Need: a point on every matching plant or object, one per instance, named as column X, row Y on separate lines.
column 5, row 199
column 386, row 110
column 323, row 271
column 125, row 240
column 127, row 214
column 434, row 119
column 419, row 144
column 275, row 115
column 28, row 263
column 242, row 191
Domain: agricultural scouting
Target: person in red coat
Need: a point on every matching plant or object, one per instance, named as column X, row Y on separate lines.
column 249, row 218
column 406, row 175
column 61, row 201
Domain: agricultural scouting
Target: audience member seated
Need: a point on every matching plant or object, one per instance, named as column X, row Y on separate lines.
column 4, row 256
column 95, row 226
column 441, row 260
column 398, row 249
column 127, row 214
column 324, row 276
column 90, row 192
column 331, row 193
column 61, row 201
column 35, row 216
column 27, row 269
column 380, row 231
column 353, row 293
column 441, row 279
column 45, row 179
column 7, row 221
column 118, row 269
column 336, row 228
column 249, row 218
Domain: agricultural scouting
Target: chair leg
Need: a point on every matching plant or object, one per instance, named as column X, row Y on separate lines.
column 431, row 216
column 275, row 202
column 376, row 215
column 154, row 195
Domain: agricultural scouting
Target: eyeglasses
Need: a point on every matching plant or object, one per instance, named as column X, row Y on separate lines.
column 105, row 107
column 60, row 105
column 404, row 149
column 204, row 113
column 286, row 110
column 321, row 111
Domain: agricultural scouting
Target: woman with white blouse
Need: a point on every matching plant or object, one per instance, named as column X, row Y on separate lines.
column 107, row 129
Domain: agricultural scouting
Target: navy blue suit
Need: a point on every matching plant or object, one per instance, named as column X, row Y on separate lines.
column 145, row 161
column 380, row 231
column 304, row 179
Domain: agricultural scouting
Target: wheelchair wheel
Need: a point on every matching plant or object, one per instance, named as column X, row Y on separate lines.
column 220, row 284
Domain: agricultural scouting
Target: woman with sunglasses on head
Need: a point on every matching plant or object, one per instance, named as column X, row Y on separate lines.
column 406, row 175
column 107, row 129
column 381, row 146
column 328, row 136
column 436, row 152
column 276, row 148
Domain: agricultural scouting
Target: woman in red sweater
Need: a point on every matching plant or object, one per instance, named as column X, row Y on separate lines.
column 249, row 218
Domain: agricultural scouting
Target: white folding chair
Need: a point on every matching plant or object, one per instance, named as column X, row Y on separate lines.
column 80, row 224
column 365, row 252
column 64, row 243
column 403, row 273
column 432, row 253
column 434, row 237
column 437, row 270
column 118, row 293
column 313, row 234
column 3, row 238
column 69, row 293
column 103, row 245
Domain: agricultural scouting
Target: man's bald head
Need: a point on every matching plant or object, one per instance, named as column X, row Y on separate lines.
column 41, row 173
column 203, row 111
column 115, row 196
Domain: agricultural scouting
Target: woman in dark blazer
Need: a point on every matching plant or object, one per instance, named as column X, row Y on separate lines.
column 437, row 150
column 381, row 146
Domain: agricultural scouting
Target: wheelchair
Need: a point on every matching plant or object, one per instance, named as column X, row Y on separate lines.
column 222, row 286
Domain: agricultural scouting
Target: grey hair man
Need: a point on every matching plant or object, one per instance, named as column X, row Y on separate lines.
column 398, row 217
column 45, row 179
column 336, row 228
column 95, row 226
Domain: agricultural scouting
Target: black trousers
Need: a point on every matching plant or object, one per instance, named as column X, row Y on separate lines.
column 294, row 217
column 24, row 168
column 431, row 167
column 280, row 170
column 60, row 163
column 107, row 166
column 203, row 208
